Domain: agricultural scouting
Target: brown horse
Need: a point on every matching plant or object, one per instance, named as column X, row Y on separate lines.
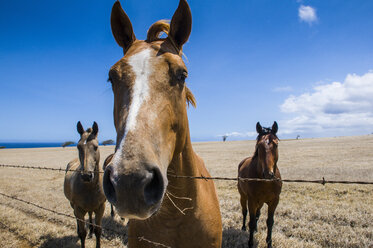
column 106, row 163
column 83, row 185
column 254, row 194
column 153, row 140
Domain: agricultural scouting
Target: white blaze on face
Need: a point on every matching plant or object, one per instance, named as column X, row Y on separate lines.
column 140, row 64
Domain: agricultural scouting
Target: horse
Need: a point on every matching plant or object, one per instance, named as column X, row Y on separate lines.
column 83, row 184
column 253, row 194
column 153, row 140
column 106, row 162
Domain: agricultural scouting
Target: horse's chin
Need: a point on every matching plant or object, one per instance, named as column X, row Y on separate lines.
column 143, row 215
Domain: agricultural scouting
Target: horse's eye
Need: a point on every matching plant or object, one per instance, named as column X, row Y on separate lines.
column 181, row 76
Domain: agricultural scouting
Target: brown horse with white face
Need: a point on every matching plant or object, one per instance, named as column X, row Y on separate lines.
column 153, row 140
column 254, row 194
column 83, row 183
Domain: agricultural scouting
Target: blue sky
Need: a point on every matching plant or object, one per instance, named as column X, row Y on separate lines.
column 306, row 64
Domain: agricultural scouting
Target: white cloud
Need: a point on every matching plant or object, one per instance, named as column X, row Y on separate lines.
column 283, row 89
column 335, row 107
column 307, row 14
column 240, row 135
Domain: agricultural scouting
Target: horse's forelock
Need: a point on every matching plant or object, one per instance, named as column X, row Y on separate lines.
column 272, row 137
column 154, row 33
column 156, row 29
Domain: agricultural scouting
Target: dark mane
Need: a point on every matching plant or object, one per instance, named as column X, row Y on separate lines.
column 265, row 131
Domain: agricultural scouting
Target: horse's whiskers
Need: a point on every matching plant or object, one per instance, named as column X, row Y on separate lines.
column 173, row 203
column 177, row 197
column 173, row 186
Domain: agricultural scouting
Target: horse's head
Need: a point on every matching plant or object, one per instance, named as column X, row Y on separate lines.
column 149, row 111
column 266, row 149
column 89, row 154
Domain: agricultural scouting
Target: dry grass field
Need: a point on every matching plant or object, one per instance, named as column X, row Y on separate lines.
column 308, row 215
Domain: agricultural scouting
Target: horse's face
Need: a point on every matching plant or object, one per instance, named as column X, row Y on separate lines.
column 149, row 112
column 89, row 154
column 267, row 150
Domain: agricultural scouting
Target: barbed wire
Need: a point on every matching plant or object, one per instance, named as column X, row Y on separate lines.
column 44, row 168
column 57, row 213
column 322, row 181
column 141, row 238
column 317, row 181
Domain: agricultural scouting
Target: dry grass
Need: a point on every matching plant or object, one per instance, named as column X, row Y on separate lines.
column 308, row 215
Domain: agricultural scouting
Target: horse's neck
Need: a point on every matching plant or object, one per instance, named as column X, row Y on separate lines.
column 186, row 163
column 182, row 192
column 257, row 167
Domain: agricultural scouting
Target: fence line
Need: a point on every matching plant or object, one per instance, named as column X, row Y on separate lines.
column 142, row 238
column 41, row 168
column 322, row 181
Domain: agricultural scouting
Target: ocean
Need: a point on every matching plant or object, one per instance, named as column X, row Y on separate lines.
column 8, row 145
column 12, row 145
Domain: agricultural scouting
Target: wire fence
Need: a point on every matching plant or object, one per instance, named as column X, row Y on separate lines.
column 322, row 181
column 142, row 238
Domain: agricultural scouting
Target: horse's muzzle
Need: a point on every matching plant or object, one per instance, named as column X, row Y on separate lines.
column 135, row 194
column 87, row 177
column 269, row 175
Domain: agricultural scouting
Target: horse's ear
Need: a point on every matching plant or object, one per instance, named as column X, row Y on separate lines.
column 274, row 127
column 181, row 24
column 94, row 128
column 259, row 128
column 79, row 128
column 121, row 27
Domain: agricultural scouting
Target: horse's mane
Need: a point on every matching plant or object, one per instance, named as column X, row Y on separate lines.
column 154, row 34
column 190, row 97
column 156, row 29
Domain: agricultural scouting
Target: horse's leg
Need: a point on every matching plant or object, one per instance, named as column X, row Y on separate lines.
column 257, row 218
column 112, row 211
column 90, row 225
column 243, row 201
column 271, row 211
column 82, row 233
column 252, row 224
column 98, row 218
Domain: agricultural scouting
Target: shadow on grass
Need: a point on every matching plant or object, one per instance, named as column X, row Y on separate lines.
column 235, row 238
column 29, row 242
column 67, row 241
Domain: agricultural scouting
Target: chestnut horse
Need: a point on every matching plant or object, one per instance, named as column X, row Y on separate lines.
column 83, row 183
column 153, row 140
column 254, row 194
column 106, row 162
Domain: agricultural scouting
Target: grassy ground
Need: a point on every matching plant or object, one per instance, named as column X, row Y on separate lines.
column 308, row 215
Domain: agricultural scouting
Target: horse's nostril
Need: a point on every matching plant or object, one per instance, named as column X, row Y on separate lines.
column 108, row 186
column 87, row 177
column 153, row 190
